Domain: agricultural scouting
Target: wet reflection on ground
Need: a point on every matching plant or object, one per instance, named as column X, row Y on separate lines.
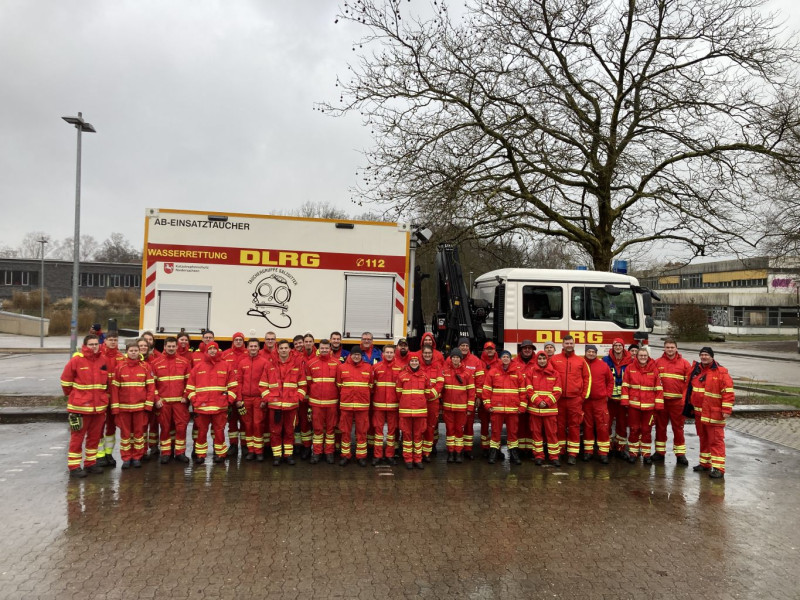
column 451, row 531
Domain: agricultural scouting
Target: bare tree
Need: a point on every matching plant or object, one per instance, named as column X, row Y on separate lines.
column 64, row 250
column 117, row 248
column 30, row 247
column 8, row 252
column 609, row 125
column 319, row 210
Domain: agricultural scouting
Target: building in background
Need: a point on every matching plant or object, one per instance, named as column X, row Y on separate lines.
column 22, row 275
column 743, row 296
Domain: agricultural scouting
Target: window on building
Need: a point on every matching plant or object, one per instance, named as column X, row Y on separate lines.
column 20, row 277
column 127, row 281
column 115, row 280
column 86, row 280
column 542, row 302
column 773, row 316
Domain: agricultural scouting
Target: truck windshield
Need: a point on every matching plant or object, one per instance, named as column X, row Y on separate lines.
column 594, row 304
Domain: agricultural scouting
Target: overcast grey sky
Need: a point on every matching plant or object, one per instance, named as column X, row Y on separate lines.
column 201, row 104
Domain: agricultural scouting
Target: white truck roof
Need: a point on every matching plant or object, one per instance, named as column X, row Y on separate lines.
column 557, row 275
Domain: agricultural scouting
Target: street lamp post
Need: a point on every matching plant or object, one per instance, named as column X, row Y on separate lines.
column 41, row 241
column 81, row 126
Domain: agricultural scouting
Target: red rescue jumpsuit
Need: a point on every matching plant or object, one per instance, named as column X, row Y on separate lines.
column 171, row 374
column 287, row 386
column 483, row 412
column 505, row 396
column 434, row 372
column 474, row 365
column 643, row 395
column 84, row 381
column 132, row 397
column 414, row 390
column 712, row 398
column 524, row 432
column 323, row 397
column 674, row 379
column 618, row 414
column 211, row 390
column 458, row 401
column 253, row 390
column 113, row 358
column 237, row 433
column 355, row 388
column 595, row 408
column 385, row 406
column 544, row 385
column 576, row 379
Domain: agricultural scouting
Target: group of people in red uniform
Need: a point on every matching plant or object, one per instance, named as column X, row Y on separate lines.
column 323, row 402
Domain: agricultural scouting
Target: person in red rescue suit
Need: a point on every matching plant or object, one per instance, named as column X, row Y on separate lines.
column 84, row 382
column 505, row 396
column 618, row 359
column 711, row 393
column 595, row 407
column 675, row 371
column 433, row 370
column 474, row 365
column 304, row 351
column 544, row 390
column 151, row 435
column 253, row 371
column 287, row 387
column 211, row 389
column 270, row 348
column 132, row 399
column 525, row 361
column 491, row 360
column 385, row 406
column 337, row 350
column 184, row 348
column 643, row 395
column 576, row 379
column 236, row 430
column 458, row 401
column 414, row 392
column 113, row 357
column 171, row 373
column 402, row 353
column 354, row 380
column 323, row 397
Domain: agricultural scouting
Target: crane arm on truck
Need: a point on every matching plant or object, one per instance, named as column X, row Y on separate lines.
column 457, row 314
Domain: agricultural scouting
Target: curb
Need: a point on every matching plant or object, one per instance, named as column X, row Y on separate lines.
column 34, row 350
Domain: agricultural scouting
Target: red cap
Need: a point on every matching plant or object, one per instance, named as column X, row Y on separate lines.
column 238, row 334
column 212, row 345
column 489, row 345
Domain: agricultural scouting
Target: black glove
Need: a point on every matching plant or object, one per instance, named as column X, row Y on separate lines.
column 242, row 410
column 75, row 422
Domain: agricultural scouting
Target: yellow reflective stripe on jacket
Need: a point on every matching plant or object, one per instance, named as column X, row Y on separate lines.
column 85, row 386
column 414, row 412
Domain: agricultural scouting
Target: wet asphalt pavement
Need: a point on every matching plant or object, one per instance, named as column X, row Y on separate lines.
column 248, row 530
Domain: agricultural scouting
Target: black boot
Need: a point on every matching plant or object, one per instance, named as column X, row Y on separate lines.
column 515, row 456
column 459, row 458
column 451, row 457
column 492, row 456
column 233, row 450
column 716, row 474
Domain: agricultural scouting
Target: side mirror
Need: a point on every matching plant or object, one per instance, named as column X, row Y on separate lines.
column 649, row 323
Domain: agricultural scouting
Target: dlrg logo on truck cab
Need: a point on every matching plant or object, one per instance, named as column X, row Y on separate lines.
column 278, row 259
